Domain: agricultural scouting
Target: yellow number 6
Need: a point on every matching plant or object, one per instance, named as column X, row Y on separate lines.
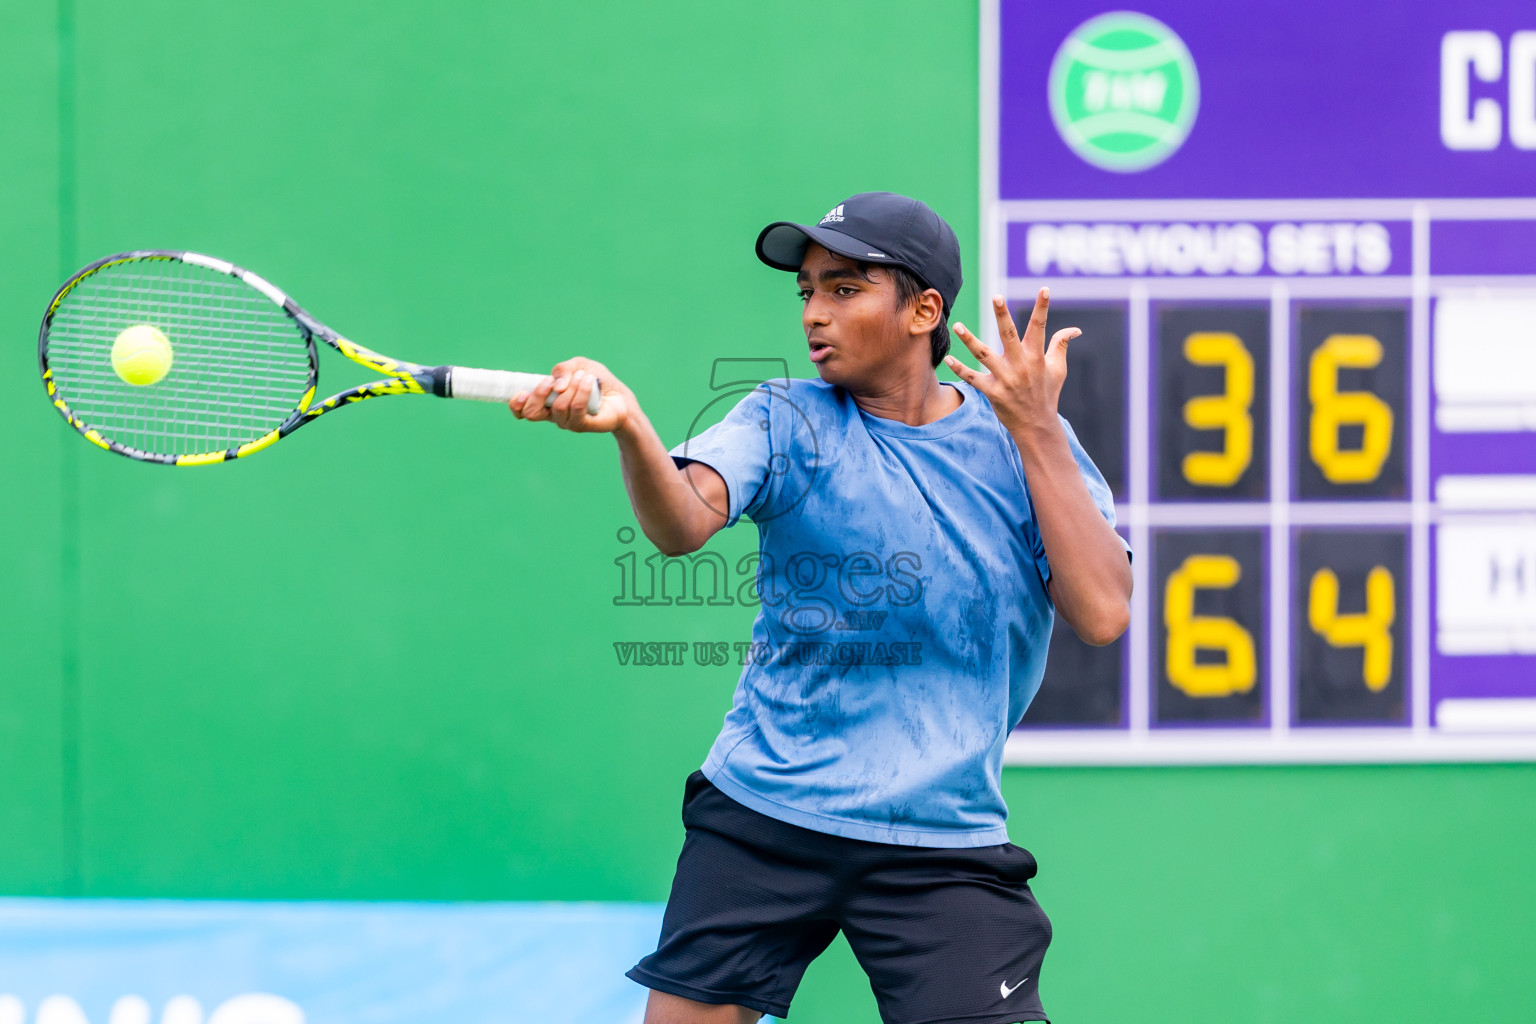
column 1371, row 630
column 1332, row 408
column 1227, row 411
column 1187, row 631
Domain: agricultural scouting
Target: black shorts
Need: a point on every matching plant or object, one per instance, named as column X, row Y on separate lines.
column 950, row 935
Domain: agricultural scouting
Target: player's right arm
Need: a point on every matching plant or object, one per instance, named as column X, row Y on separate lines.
column 675, row 507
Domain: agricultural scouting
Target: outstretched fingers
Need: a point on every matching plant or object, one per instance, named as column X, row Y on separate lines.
column 984, row 355
column 1006, row 329
column 1059, row 342
column 1034, row 332
column 980, row 351
column 965, row 373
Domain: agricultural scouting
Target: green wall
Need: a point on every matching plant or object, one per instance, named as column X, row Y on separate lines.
column 377, row 662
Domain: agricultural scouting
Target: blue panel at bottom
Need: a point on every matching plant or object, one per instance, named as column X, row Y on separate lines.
column 196, row 962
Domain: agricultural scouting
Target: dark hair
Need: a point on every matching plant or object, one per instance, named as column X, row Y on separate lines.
column 908, row 289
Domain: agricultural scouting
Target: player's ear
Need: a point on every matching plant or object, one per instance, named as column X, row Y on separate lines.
column 927, row 312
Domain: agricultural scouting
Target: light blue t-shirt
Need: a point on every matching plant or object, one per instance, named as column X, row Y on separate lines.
column 904, row 618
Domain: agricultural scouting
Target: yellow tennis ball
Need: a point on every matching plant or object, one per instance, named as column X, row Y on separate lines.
column 141, row 354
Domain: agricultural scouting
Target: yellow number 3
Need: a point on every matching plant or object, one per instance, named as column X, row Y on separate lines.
column 1227, row 411
column 1187, row 631
column 1332, row 408
column 1371, row 630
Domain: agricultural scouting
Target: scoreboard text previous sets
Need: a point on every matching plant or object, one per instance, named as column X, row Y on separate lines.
column 1300, row 240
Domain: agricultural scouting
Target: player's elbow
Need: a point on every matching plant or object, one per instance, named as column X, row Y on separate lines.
column 676, row 547
column 679, row 534
column 1104, row 624
column 683, row 540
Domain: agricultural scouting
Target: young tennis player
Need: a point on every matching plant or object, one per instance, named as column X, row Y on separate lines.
column 916, row 539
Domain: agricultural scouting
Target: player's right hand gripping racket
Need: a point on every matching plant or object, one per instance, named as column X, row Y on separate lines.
column 186, row 360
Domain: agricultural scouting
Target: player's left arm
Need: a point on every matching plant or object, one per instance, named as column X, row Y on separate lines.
column 1090, row 574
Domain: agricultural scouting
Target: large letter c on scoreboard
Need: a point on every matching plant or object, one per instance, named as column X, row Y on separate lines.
column 1522, row 90
column 1461, row 54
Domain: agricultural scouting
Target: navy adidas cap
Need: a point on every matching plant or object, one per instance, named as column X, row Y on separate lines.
column 876, row 227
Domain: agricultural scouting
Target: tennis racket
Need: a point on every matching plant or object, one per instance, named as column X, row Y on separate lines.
column 233, row 359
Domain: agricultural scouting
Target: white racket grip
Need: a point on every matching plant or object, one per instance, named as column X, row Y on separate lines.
column 501, row 385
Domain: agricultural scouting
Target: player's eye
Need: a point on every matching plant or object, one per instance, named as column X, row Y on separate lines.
column 804, row 294
column 846, row 290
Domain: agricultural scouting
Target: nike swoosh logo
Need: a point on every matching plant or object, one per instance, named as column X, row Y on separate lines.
column 1006, row 991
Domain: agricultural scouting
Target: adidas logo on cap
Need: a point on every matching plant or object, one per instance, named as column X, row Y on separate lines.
column 835, row 216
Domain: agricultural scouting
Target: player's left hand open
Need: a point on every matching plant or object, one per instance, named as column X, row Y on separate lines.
column 1023, row 380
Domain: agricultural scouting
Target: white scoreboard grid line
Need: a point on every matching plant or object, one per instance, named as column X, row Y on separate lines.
column 1261, row 209
column 1418, row 420
column 1302, row 745
column 1387, row 286
column 1139, row 462
column 1279, row 509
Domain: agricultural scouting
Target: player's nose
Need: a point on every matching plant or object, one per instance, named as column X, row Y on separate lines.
column 815, row 313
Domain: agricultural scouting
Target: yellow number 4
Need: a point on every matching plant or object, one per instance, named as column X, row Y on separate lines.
column 1188, row 631
column 1371, row 629
column 1227, row 411
column 1332, row 408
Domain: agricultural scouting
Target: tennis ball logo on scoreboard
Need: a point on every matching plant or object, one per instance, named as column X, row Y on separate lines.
column 1123, row 91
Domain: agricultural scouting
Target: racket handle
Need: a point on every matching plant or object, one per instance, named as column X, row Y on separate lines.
column 501, row 385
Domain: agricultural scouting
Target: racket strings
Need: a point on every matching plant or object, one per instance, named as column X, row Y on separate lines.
column 239, row 368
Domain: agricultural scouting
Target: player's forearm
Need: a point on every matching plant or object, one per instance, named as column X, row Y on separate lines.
column 665, row 504
column 1091, row 577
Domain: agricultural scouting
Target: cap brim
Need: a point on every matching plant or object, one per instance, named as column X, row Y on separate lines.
column 782, row 245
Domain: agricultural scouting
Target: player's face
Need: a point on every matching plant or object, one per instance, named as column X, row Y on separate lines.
column 852, row 324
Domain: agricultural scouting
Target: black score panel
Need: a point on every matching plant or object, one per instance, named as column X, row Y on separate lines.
column 1082, row 687
column 1208, row 617
column 1350, row 420
column 1349, row 618
column 1212, row 406
column 1094, row 398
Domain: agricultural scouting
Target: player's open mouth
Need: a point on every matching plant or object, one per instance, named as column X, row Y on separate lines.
column 819, row 352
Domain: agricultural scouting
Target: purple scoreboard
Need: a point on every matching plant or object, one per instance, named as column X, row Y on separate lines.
column 1300, row 238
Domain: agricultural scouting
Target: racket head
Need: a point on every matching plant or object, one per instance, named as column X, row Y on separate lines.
column 243, row 364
